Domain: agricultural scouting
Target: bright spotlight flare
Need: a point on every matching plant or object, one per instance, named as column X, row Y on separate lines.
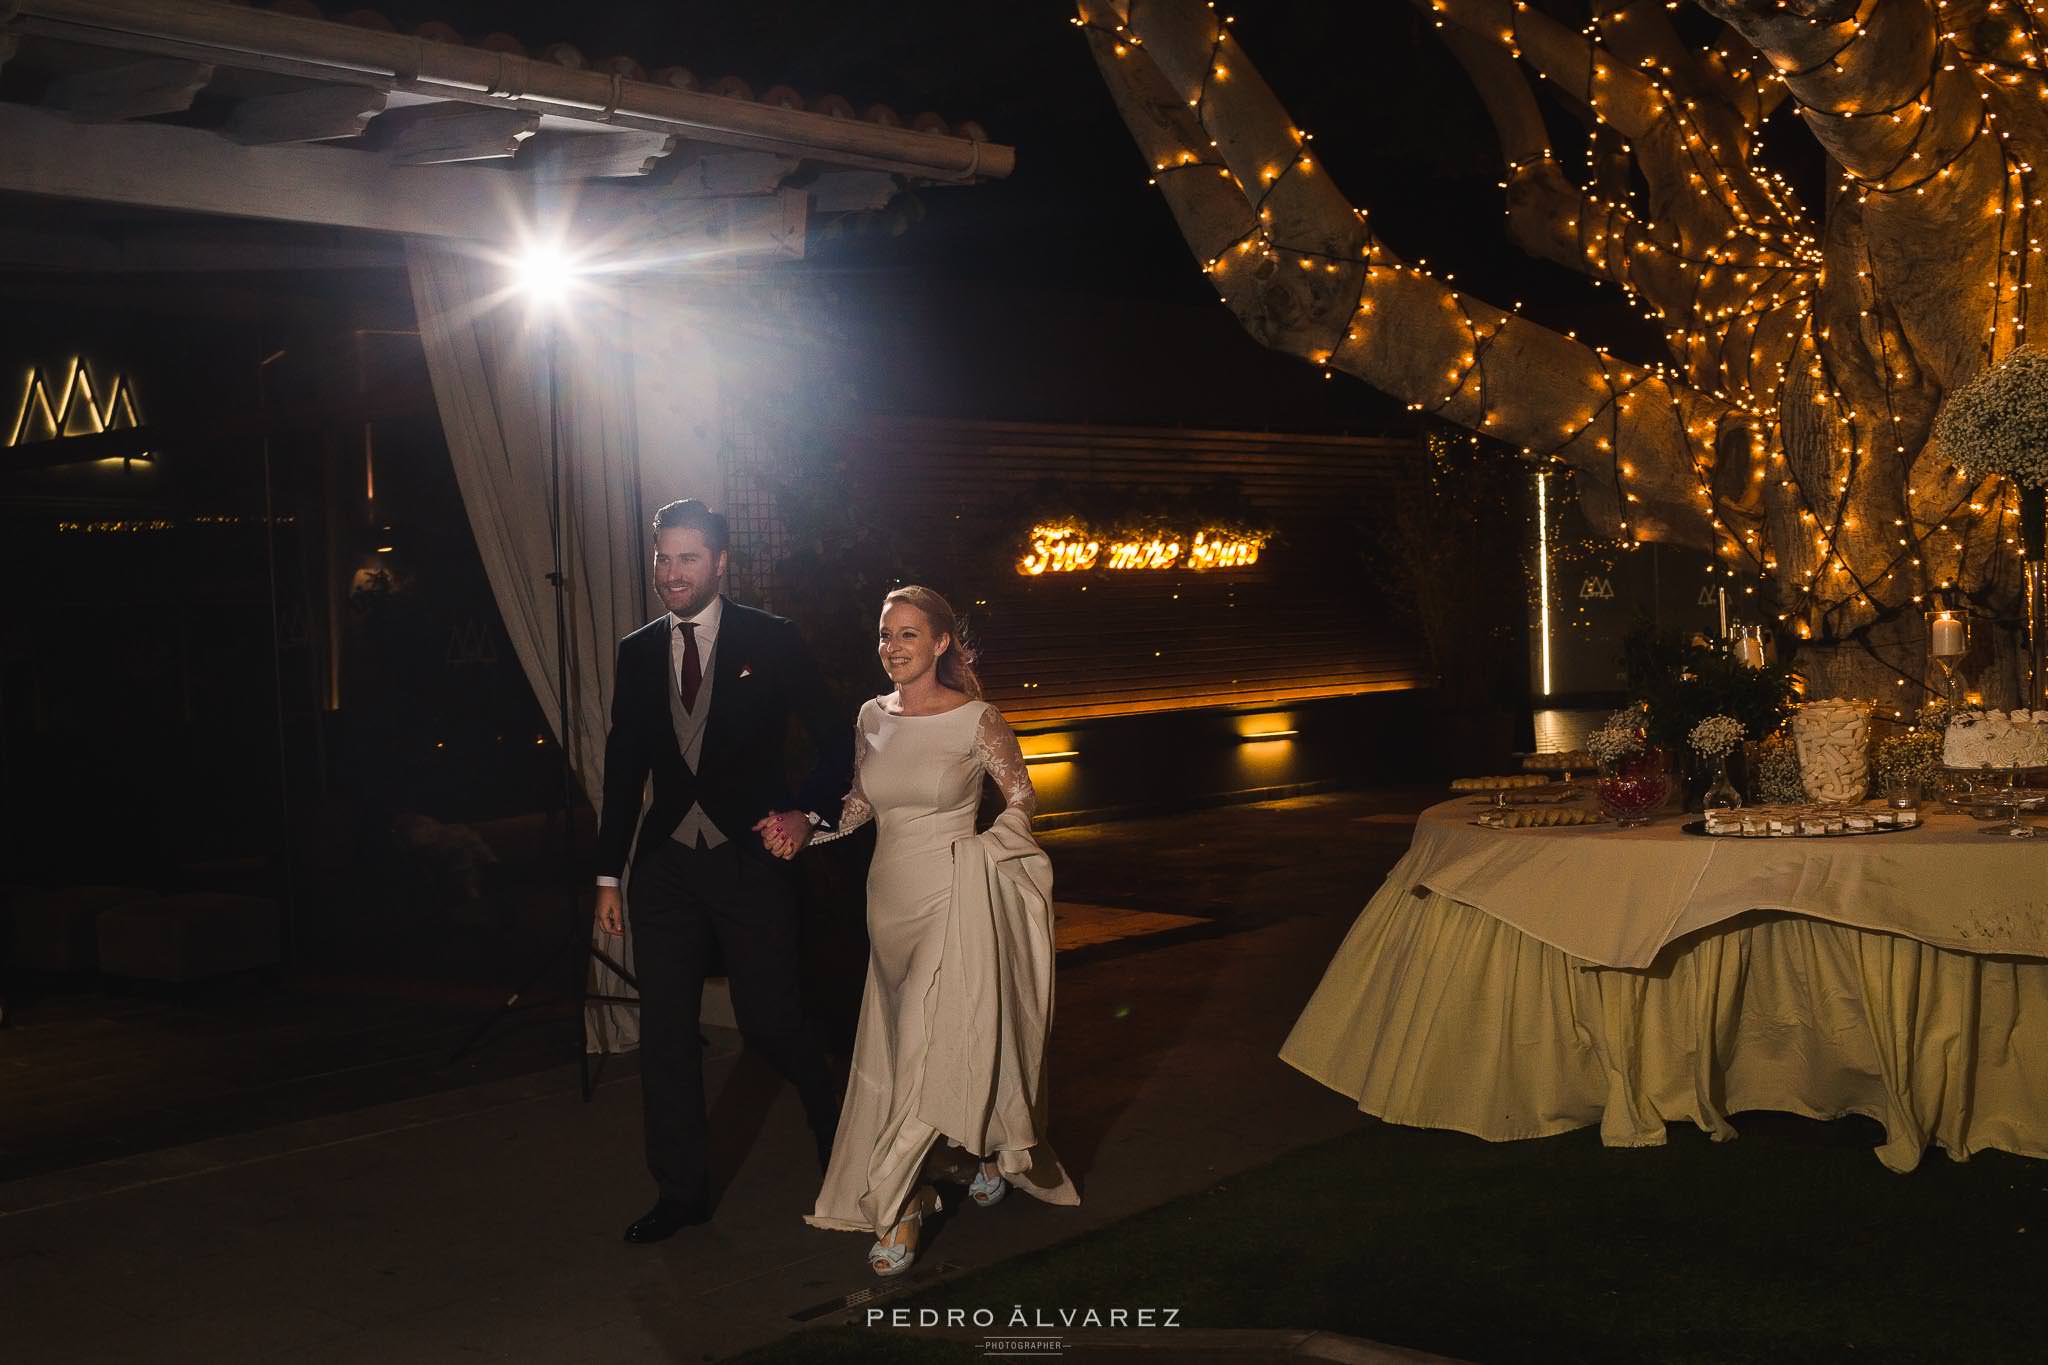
column 544, row 273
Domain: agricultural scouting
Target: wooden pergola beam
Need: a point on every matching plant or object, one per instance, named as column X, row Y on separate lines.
column 444, row 134
column 712, row 175
column 317, row 50
column 193, row 171
column 131, row 90
column 853, row 191
column 321, row 114
column 596, row 156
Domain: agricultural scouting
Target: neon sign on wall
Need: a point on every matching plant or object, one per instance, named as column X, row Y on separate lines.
column 79, row 409
column 1062, row 549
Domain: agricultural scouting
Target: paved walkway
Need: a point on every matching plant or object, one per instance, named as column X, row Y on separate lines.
column 483, row 1222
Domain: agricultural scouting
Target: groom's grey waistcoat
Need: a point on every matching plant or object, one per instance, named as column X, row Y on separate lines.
column 690, row 723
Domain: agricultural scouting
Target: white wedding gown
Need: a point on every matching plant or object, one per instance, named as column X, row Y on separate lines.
column 953, row 1022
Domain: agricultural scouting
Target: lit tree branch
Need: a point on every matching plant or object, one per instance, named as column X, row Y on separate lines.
column 1794, row 440
column 1289, row 245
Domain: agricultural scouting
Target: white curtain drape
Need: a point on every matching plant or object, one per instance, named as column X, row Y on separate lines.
column 640, row 418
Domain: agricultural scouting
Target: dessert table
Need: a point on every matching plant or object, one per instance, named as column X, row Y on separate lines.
column 1519, row 983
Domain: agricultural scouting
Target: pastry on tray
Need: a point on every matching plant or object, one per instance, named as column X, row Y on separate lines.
column 1546, row 817
column 1494, row 784
column 1806, row 822
column 1560, row 762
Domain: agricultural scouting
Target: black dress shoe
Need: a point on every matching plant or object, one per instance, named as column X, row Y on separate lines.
column 667, row 1218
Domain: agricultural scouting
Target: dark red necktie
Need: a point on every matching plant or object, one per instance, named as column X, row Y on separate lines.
column 693, row 667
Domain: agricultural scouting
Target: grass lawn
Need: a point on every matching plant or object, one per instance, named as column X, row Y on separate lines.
column 1790, row 1244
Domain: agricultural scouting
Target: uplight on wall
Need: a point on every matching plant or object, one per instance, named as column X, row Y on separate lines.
column 1050, row 758
column 1048, row 748
column 1267, row 727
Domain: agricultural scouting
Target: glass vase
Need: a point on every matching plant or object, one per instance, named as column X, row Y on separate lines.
column 1721, row 793
column 1633, row 787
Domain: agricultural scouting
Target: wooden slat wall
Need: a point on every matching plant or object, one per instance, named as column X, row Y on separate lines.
column 1070, row 646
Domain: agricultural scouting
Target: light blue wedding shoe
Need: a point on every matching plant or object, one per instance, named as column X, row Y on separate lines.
column 988, row 1186
column 890, row 1259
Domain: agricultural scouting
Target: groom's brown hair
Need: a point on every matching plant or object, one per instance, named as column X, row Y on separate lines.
column 688, row 514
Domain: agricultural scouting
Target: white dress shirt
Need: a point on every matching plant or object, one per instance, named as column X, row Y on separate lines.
column 705, row 623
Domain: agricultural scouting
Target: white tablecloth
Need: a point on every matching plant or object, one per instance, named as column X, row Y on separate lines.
column 1509, row 1020
column 1619, row 897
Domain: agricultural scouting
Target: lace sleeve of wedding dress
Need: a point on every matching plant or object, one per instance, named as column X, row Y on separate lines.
column 995, row 744
column 854, row 811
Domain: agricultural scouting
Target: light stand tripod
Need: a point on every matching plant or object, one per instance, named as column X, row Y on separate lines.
column 579, row 945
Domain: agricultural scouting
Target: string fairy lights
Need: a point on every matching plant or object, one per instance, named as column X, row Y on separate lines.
column 1796, row 401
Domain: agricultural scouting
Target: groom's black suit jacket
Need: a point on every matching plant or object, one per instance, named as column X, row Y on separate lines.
column 762, row 675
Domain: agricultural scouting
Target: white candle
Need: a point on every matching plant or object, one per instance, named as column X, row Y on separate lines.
column 1721, row 595
column 1948, row 637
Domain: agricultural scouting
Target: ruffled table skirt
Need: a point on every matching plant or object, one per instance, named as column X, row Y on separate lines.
column 1437, row 1015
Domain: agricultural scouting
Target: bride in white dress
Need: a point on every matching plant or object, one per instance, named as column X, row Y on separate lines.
column 953, row 1022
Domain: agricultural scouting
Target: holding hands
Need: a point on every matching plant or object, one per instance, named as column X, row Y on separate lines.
column 783, row 833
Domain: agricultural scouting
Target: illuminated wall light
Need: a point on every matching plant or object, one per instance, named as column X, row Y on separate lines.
column 1266, row 727
column 79, row 411
column 1060, row 548
column 1055, row 748
column 1543, row 569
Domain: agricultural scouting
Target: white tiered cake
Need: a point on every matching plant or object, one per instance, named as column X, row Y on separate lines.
column 1996, row 739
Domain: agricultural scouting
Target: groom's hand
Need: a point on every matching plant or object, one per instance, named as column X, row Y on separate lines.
column 611, row 910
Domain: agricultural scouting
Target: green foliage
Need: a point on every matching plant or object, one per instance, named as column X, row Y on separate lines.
column 1683, row 683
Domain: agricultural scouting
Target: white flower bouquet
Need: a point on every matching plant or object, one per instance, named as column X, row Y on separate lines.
column 1620, row 735
column 1998, row 422
column 1716, row 736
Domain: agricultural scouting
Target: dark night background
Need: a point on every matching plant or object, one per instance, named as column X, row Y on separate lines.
column 1061, row 294
column 1395, row 119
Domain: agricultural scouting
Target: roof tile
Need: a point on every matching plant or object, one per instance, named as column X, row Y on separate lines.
column 626, row 68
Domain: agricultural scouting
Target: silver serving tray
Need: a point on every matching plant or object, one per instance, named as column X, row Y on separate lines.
column 1699, row 827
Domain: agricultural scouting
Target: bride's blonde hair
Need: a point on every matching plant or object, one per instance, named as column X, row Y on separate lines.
column 956, row 666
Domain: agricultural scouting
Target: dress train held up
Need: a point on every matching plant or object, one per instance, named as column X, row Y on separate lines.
column 953, row 1022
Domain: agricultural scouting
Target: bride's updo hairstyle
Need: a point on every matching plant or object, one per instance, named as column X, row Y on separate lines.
column 956, row 666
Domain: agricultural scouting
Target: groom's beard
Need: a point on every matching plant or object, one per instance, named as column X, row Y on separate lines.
column 695, row 603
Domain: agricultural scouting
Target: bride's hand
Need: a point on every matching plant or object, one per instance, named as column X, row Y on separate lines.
column 783, row 833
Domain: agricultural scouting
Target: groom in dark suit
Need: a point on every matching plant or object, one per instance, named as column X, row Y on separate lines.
column 701, row 703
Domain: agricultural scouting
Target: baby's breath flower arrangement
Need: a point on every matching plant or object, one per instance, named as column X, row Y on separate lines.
column 1998, row 422
column 1620, row 735
column 1777, row 773
column 1908, row 760
column 1913, row 759
column 1716, row 736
